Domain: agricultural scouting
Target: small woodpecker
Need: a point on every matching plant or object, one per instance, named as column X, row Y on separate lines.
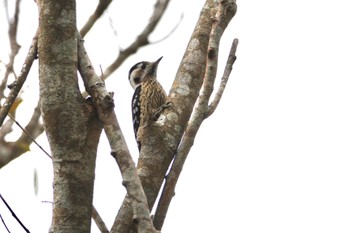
column 149, row 98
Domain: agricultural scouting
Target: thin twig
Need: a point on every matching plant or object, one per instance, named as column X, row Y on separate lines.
column 14, row 215
column 18, row 83
column 142, row 38
column 13, row 26
column 31, row 138
column 3, row 221
column 101, row 7
column 228, row 68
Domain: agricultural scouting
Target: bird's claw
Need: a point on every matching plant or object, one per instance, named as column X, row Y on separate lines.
column 156, row 114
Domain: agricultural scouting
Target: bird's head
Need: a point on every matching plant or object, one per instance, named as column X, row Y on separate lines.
column 143, row 71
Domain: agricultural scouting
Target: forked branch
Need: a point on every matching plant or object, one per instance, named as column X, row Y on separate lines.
column 103, row 102
column 226, row 10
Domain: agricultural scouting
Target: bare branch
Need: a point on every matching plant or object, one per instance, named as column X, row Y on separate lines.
column 226, row 10
column 100, row 9
column 13, row 24
column 13, row 214
column 3, row 221
column 18, row 83
column 228, row 68
column 104, row 105
column 141, row 40
column 99, row 222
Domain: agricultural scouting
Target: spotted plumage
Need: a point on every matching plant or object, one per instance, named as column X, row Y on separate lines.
column 149, row 97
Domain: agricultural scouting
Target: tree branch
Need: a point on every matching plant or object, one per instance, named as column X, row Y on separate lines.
column 14, row 215
column 71, row 124
column 18, row 83
column 226, row 11
column 142, row 38
column 162, row 138
column 14, row 47
column 3, row 222
column 99, row 222
column 11, row 150
column 228, row 68
column 104, row 105
column 100, row 9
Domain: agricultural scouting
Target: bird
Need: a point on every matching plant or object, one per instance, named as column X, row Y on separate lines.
column 149, row 97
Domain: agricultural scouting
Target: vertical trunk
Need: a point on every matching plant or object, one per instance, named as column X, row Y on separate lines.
column 71, row 126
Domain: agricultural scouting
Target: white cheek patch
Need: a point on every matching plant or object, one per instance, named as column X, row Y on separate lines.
column 135, row 79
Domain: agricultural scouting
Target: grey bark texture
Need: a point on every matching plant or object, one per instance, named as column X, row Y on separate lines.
column 71, row 125
column 161, row 140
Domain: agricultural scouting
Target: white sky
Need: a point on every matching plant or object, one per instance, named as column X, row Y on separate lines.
column 274, row 157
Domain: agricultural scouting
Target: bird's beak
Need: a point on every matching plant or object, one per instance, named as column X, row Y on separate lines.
column 156, row 62
column 153, row 68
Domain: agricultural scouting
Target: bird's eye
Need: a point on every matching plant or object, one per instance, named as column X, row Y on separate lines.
column 137, row 80
column 143, row 66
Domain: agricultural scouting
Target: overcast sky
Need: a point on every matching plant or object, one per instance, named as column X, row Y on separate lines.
column 274, row 157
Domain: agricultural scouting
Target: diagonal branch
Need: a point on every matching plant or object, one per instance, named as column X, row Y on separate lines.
column 100, row 9
column 226, row 10
column 103, row 102
column 3, row 222
column 142, row 38
column 228, row 68
column 13, row 214
column 98, row 220
column 18, row 83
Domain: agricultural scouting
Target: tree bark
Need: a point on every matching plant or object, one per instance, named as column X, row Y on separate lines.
column 71, row 124
column 161, row 139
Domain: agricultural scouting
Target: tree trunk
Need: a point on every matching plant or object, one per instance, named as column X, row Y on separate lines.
column 71, row 124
